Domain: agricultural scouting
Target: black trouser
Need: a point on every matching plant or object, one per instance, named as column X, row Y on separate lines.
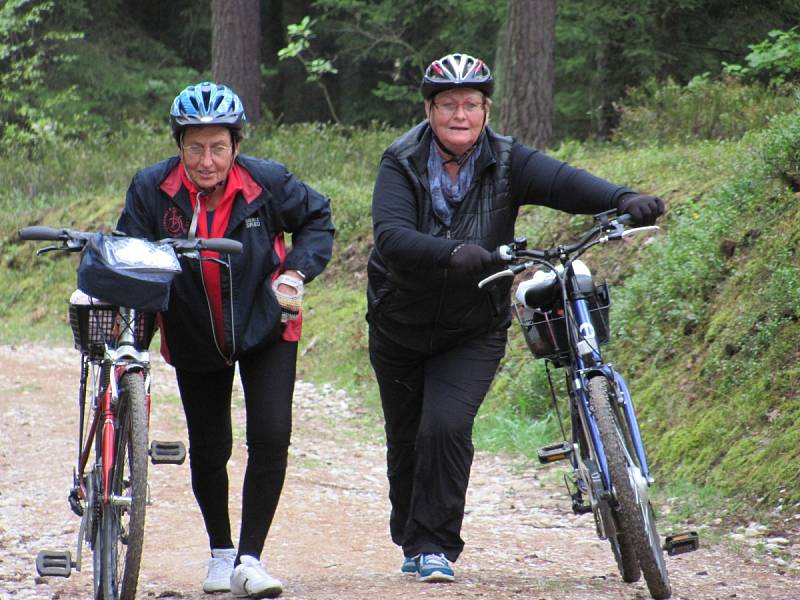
column 429, row 406
column 268, row 382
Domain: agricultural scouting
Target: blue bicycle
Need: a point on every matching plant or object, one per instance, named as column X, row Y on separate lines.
column 564, row 318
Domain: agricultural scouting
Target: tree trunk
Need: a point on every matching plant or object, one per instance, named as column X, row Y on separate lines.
column 236, row 50
column 528, row 72
column 273, row 32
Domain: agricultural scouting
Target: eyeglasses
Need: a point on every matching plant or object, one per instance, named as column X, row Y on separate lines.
column 451, row 108
column 196, row 151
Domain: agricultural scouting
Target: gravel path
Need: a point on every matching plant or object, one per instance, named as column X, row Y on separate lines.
column 330, row 538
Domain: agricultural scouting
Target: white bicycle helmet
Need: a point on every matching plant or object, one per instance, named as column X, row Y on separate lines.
column 457, row 71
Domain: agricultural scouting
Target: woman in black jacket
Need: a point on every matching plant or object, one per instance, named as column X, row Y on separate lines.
column 447, row 193
column 247, row 313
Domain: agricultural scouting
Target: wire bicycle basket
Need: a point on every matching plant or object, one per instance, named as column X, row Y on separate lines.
column 97, row 326
column 545, row 328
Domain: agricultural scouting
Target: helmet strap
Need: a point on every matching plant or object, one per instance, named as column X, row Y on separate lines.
column 459, row 159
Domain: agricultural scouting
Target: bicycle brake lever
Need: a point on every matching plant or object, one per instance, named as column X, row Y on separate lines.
column 636, row 230
column 41, row 251
column 212, row 259
column 509, row 272
column 615, row 230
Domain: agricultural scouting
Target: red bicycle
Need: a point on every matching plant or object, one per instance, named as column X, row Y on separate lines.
column 110, row 491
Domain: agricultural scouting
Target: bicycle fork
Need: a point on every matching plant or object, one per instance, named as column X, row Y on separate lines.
column 107, row 450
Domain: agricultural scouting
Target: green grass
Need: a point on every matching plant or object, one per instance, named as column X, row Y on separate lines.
column 708, row 341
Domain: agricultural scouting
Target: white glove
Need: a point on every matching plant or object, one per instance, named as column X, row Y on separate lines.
column 289, row 293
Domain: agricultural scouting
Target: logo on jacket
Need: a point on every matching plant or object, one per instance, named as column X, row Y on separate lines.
column 174, row 222
column 251, row 222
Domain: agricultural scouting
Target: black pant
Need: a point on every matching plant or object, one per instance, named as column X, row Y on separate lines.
column 429, row 406
column 268, row 382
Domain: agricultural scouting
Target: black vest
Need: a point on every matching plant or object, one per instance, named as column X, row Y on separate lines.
column 433, row 311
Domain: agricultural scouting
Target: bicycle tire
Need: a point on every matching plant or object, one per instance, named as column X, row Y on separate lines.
column 123, row 527
column 605, row 519
column 95, row 533
column 622, row 548
column 634, row 514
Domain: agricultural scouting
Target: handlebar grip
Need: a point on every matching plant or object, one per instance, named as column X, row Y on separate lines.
column 624, row 218
column 42, row 232
column 501, row 255
column 223, row 245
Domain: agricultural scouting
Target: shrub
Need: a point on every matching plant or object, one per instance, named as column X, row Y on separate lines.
column 775, row 60
column 665, row 113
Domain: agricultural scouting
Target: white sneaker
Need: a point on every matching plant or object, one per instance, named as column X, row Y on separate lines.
column 220, row 569
column 250, row 580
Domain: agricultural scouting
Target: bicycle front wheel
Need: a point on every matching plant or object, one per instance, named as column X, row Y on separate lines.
column 634, row 514
column 123, row 518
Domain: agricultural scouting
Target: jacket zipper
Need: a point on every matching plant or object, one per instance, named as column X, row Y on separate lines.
column 447, row 236
column 227, row 359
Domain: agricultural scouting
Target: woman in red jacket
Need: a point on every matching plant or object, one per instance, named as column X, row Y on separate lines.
column 245, row 313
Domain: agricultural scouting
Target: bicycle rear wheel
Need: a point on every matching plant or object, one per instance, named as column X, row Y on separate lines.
column 123, row 518
column 634, row 515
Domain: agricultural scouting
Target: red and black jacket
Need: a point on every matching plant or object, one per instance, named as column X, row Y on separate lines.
column 267, row 202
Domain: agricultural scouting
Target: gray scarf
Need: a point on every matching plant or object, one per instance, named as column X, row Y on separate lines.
column 446, row 193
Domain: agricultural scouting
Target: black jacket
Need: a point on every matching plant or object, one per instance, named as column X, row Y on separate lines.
column 412, row 296
column 251, row 313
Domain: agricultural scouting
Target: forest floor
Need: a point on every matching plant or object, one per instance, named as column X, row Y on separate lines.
column 330, row 537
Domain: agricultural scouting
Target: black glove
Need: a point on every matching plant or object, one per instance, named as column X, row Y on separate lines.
column 470, row 259
column 644, row 210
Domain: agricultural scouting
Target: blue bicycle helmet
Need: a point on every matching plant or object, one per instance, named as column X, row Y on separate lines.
column 206, row 104
column 457, row 71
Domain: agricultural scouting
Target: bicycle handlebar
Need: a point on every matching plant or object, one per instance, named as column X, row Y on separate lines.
column 613, row 228
column 222, row 245
column 74, row 240
column 44, row 233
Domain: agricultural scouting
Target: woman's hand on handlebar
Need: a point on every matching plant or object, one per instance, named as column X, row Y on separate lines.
column 470, row 259
column 644, row 210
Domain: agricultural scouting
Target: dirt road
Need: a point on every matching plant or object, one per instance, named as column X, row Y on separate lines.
column 330, row 539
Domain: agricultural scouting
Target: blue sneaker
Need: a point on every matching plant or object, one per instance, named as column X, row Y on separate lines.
column 433, row 568
column 409, row 566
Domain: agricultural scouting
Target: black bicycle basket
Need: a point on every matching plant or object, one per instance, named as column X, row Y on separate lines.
column 95, row 326
column 545, row 328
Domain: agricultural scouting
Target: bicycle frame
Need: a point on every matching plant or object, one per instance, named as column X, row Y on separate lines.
column 115, row 361
column 581, row 328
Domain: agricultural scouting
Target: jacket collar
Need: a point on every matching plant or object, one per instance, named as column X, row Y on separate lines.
column 250, row 188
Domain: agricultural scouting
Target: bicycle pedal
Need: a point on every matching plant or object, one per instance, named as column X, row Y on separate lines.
column 679, row 543
column 555, row 452
column 171, row 453
column 52, row 563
